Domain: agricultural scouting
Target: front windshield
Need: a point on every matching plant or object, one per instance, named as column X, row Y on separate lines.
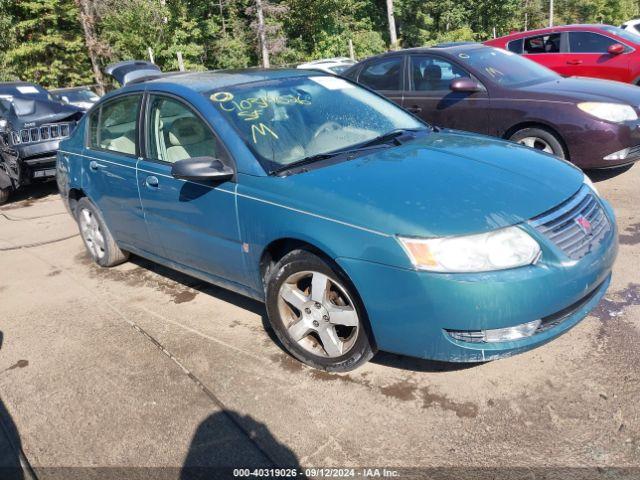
column 286, row 120
column 506, row 68
column 622, row 33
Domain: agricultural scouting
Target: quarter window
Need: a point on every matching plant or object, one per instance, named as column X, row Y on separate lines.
column 515, row 46
column 543, row 44
column 385, row 74
column 588, row 42
column 432, row 73
column 113, row 125
column 176, row 133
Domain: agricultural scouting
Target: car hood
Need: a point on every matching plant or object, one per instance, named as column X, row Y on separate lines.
column 446, row 183
column 28, row 112
column 580, row 89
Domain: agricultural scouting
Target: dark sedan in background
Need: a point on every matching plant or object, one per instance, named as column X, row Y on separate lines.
column 592, row 123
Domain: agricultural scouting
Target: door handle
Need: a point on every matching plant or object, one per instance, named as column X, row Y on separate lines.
column 415, row 109
column 152, row 182
column 574, row 62
column 95, row 166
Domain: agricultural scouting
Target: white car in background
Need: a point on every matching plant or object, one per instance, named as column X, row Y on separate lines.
column 632, row 25
column 329, row 65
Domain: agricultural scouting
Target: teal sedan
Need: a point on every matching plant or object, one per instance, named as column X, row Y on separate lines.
column 360, row 227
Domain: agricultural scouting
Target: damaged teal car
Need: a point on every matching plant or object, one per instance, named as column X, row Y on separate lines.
column 359, row 226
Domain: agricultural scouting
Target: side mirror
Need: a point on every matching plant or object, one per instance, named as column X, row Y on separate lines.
column 202, row 169
column 616, row 49
column 465, row 84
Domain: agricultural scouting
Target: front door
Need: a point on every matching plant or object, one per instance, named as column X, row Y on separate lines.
column 196, row 224
column 588, row 54
column 430, row 97
column 110, row 169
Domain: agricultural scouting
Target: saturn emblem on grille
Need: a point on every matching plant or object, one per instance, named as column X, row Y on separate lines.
column 584, row 224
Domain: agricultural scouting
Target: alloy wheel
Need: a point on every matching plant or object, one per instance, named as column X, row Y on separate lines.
column 537, row 143
column 91, row 233
column 318, row 314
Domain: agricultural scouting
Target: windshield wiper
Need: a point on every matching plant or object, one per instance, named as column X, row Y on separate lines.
column 391, row 135
column 322, row 156
column 377, row 142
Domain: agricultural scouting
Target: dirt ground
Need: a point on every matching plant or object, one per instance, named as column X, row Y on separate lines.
column 139, row 366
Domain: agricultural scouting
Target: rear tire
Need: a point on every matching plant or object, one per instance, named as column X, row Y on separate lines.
column 316, row 313
column 96, row 235
column 4, row 195
column 539, row 139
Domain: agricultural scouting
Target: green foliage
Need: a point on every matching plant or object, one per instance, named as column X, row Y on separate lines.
column 43, row 40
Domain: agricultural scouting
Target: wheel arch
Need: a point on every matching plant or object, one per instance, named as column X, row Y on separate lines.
column 74, row 196
column 278, row 248
column 541, row 125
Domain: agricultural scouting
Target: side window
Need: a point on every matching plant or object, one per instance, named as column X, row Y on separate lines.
column 431, row 73
column 543, row 44
column 515, row 46
column 588, row 42
column 384, row 74
column 175, row 132
column 114, row 124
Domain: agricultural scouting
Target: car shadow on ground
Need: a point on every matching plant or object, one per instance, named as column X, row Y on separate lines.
column 382, row 358
column 24, row 196
column 603, row 174
column 228, row 440
column 10, row 443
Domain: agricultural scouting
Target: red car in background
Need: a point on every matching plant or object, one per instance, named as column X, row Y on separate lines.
column 600, row 51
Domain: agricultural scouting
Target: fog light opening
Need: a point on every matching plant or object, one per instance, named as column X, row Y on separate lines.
column 506, row 334
column 619, row 155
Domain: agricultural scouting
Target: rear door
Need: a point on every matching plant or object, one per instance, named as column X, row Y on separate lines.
column 588, row 57
column 195, row 223
column 109, row 175
column 429, row 95
column 548, row 50
column 386, row 76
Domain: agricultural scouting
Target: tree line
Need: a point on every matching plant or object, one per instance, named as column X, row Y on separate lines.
column 60, row 43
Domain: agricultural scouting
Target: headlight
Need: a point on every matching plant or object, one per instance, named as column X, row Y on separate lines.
column 589, row 183
column 611, row 112
column 498, row 250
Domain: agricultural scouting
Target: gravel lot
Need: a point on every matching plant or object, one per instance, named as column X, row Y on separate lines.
column 139, row 366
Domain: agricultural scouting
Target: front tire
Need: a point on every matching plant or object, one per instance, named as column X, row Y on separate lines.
column 316, row 313
column 96, row 235
column 539, row 139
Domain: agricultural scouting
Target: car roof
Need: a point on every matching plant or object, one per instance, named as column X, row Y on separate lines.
column 211, row 80
column 442, row 48
column 560, row 28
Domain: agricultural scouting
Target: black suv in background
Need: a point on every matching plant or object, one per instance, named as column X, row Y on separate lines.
column 32, row 123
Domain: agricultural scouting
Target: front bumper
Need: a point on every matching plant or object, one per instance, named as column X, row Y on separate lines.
column 593, row 142
column 410, row 311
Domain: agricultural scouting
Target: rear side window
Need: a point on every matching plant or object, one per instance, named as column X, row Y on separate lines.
column 589, row 42
column 543, row 44
column 515, row 46
column 114, row 124
column 384, row 74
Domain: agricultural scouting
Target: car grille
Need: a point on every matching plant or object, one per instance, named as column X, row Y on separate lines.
column 42, row 133
column 577, row 226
